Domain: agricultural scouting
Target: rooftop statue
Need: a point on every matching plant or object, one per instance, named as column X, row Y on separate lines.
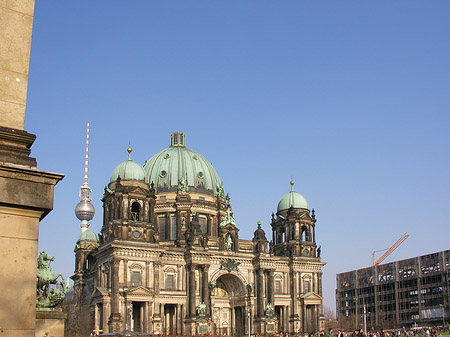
column 50, row 292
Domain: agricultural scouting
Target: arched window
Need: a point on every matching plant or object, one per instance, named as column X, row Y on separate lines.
column 135, row 210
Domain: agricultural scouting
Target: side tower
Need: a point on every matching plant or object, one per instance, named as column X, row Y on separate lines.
column 128, row 220
column 293, row 235
column 293, row 228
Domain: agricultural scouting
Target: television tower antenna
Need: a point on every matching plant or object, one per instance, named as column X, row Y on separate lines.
column 84, row 210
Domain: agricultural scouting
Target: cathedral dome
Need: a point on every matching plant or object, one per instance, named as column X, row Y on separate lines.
column 87, row 236
column 180, row 165
column 128, row 170
column 292, row 199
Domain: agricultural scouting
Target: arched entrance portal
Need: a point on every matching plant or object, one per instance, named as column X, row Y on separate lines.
column 229, row 301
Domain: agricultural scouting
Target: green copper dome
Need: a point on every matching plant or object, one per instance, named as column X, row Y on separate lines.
column 128, row 170
column 179, row 166
column 294, row 199
column 87, row 236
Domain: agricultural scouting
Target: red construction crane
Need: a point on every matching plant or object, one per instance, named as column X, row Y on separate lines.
column 390, row 250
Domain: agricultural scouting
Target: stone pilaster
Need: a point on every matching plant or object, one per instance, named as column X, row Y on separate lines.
column 115, row 321
column 206, row 293
column 191, row 295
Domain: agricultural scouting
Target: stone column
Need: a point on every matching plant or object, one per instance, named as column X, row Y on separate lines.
column 156, row 266
column 293, row 285
column 114, row 322
column 125, row 273
column 205, row 292
column 270, row 294
column 191, row 296
column 260, row 296
column 141, row 318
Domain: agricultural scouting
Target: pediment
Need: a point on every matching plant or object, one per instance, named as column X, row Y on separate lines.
column 311, row 298
column 139, row 291
column 229, row 227
column 100, row 292
column 138, row 190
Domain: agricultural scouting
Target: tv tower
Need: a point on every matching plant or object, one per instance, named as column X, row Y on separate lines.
column 84, row 210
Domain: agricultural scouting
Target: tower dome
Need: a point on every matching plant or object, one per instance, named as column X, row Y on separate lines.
column 128, row 170
column 87, row 236
column 292, row 199
column 178, row 164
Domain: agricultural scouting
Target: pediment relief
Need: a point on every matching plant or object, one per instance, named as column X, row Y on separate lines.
column 311, row 298
column 139, row 291
column 100, row 292
column 137, row 190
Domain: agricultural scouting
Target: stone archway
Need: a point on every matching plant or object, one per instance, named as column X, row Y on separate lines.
column 228, row 303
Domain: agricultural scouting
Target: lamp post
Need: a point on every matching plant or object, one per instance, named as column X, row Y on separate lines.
column 249, row 319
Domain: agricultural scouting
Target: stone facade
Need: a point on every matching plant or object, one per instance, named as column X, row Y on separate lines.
column 26, row 193
column 169, row 260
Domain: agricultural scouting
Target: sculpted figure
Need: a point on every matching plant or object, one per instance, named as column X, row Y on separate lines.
column 269, row 310
column 46, row 296
column 201, row 309
column 229, row 242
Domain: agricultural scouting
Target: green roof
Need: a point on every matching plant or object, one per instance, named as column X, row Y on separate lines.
column 177, row 162
column 88, row 236
column 128, row 170
column 292, row 199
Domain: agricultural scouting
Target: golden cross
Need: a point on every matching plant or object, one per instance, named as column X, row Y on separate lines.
column 97, row 331
column 229, row 211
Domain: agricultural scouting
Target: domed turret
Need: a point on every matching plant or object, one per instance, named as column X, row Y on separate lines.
column 292, row 199
column 87, row 236
column 178, row 164
column 128, row 170
column 259, row 233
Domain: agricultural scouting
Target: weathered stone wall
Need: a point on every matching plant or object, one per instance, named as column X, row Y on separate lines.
column 26, row 193
column 16, row 18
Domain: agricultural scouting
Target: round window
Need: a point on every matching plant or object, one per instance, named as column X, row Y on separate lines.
column 163, row 174
column 166, row 156
column 200, row 174
column 136, row 234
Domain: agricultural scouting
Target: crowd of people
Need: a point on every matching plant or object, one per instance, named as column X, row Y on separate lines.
column 428, row 332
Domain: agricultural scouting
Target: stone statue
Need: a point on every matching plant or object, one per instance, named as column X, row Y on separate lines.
column 182, row 187
column 271, row 247
column 219, row 190
column 212, row 285
column 46, row 296
column 319, row 250
column 250, row 287
column 229, row 242
column 269, row 310
column 204, row 240
column 201, row 309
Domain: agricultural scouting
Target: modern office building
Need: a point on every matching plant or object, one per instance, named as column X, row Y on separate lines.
column 406, row 293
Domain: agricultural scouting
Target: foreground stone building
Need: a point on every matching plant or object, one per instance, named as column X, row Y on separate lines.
column 169, row 258
column 26, row 193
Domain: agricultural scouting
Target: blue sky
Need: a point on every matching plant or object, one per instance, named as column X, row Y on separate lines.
column 351, row 98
